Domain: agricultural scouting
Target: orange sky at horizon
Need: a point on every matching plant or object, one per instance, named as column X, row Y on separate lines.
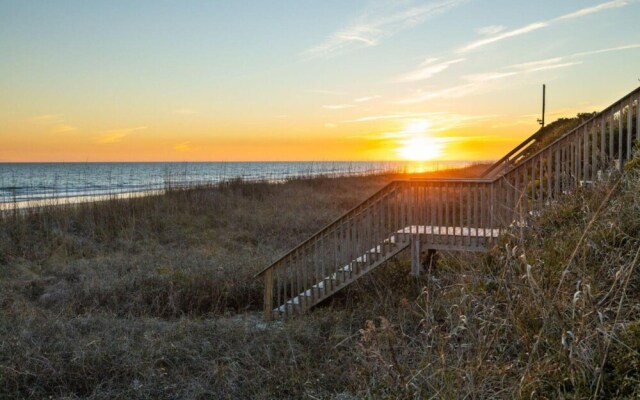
column 63, row 142
column 382, row 80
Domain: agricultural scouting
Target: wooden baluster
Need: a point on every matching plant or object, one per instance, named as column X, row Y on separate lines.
column 388, row 229
column 323, row 261
column 336, row 258
column 620, row 138
column 296, row 290
column 461, row 213
column 563, row 166
column 525, row 195
column 440, row 209
column 572, row 164
column 541, row 187
column 476, row 211
column 377, row 231
column 574, row 161
column 629, row 134
column 447, row 223
column 377, row 227
column 603, row 145
column 611, row 133
column 492, row 205
column 277, row 274
column 288, row 284
column 585, row 155
column 594, row 151
column 304, row 274
column 458, row 214
column 533, row 183
column 268, row 295
column 451, row 230
column 578, row 158
column 549, row 159
column 485, row 209
column 638, row 118
column 369, row 225
column 433, row 201
column 557, row 174
column 517, row 194
column 468, row 222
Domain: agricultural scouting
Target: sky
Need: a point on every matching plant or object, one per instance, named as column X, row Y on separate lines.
column 84, row 81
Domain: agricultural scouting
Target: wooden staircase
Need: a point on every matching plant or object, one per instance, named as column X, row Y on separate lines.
column 449, row 214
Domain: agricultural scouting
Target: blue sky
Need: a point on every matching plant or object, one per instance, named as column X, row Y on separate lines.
column 321, row 80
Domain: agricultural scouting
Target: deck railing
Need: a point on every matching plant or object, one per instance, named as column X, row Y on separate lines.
column 458, row 214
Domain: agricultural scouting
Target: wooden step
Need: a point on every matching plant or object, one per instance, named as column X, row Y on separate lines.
column 337, row 280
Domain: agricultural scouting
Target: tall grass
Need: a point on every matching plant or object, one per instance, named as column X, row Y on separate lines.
column 154, row 298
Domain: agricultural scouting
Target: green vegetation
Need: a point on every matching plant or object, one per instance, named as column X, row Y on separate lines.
column 154, row 298
column 554, row 130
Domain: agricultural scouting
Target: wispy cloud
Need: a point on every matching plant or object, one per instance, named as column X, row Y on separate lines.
column 568, row 60
column 477, row 82
column 391, row 117
column 487, row 77
column 428, row 69
column 543, row 24
column 592, row 10
column 366, row 98
column 330, row 125
column 116, row 135
column 453, row 92
column 337, row 106
column 505, row 35
column 491, row 30
column 54, row 123
column 369, row 29
column 607, row 50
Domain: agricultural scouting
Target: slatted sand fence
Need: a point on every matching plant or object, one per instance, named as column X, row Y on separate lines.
column 448, row 214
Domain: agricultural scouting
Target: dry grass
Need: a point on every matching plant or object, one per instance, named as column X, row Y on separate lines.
column 154, row 298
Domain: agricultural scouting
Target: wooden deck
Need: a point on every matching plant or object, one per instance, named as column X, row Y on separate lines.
column 450, row 214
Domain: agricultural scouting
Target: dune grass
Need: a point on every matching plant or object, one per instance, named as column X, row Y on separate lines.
column 154, row 298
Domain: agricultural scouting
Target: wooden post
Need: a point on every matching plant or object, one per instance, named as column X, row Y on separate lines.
column 268, row 295
column 415, row 255
column 629, row 128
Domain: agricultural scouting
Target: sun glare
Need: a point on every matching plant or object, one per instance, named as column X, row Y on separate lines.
column 418, row 145
column 420, row 149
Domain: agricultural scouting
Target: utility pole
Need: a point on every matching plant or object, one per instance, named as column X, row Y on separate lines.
column 541, row 121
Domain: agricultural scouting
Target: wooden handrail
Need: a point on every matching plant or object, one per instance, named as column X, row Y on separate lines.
column 525, row 144
column 598, row 115
column 522, row 146
column 457, row 213
column 384, row 189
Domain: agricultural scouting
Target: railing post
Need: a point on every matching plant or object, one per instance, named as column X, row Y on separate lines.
column 268, row 295
column 415, row 254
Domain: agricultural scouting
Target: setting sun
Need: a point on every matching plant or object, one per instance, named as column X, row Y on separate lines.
column 416, row 144
column 420, row 149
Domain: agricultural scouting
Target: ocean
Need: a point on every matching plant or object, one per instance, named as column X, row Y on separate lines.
column 29, row 182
